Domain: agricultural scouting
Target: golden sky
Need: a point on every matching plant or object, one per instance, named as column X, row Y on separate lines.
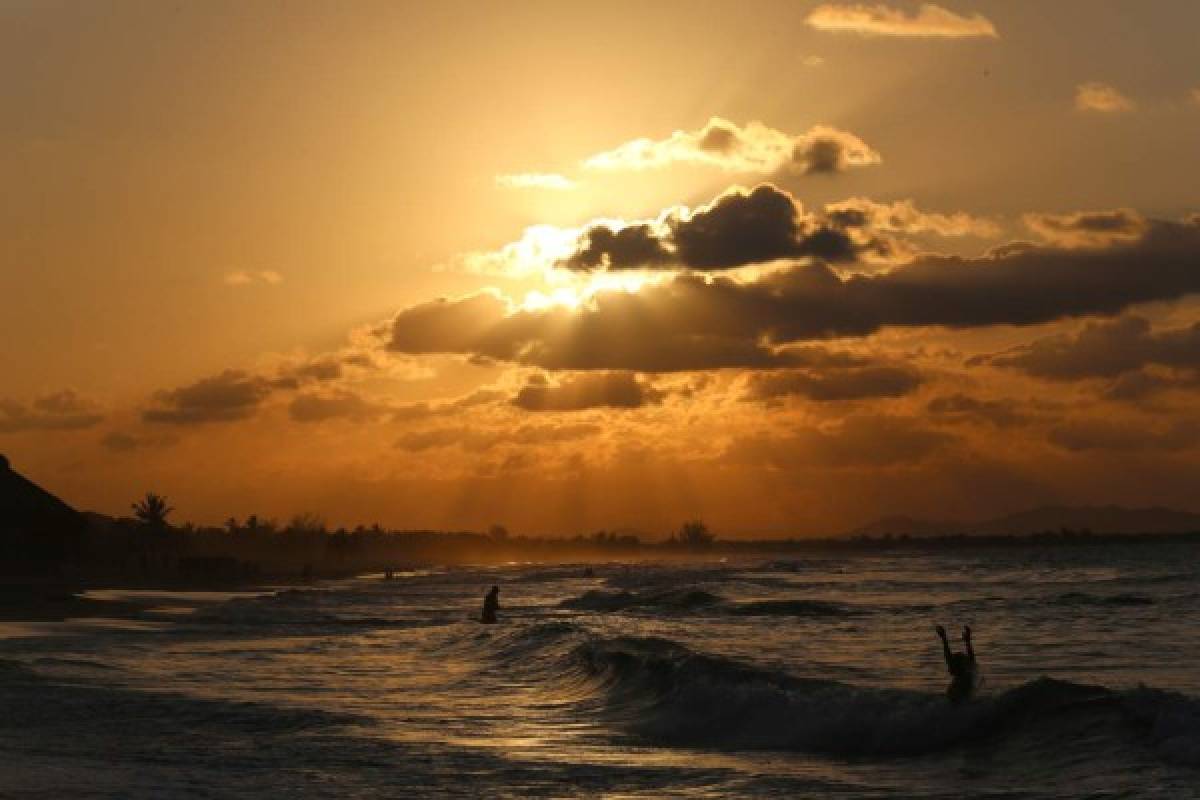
column 786, row 266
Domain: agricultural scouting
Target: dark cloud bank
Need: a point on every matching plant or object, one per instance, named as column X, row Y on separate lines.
column 695, row 322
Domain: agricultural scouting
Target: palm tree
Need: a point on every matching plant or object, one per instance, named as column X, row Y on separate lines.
column 152, row 511
column 695, row 535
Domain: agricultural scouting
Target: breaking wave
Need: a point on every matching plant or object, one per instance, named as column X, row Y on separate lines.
column 684, row 600
column 664, row 693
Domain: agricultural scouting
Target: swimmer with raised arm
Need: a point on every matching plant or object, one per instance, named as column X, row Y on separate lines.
column 962, row 667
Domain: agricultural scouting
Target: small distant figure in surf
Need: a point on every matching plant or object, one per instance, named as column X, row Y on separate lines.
column 962, row 667
column 491, row 604
column 388, row 574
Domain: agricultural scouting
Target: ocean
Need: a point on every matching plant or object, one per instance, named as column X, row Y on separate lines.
column 814, row 676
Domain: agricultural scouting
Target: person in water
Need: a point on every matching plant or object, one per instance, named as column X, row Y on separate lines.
column 962, row 666
column 491, row 604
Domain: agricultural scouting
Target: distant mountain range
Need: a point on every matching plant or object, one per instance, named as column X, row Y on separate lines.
column 1097, row 519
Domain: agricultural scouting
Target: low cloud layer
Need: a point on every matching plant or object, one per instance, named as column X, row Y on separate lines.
column 930, row 21
column 753, row 148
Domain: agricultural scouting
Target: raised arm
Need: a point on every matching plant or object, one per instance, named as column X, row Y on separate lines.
column 941, row 632
column 967, row 642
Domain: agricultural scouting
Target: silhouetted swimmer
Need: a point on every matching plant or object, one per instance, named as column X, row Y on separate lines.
column 962, row 666
column 491, row 604
column 388, row 575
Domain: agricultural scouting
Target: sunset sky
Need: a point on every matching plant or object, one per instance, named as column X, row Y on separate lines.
column 784, row 266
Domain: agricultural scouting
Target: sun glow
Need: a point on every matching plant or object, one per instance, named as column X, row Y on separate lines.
column 576, row 291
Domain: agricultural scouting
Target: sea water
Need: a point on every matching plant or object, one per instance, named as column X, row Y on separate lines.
column 805, row 676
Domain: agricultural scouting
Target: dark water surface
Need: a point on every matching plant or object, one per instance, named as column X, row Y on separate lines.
column 807, row 677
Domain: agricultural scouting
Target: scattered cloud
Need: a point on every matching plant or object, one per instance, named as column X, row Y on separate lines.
column 232, row 395
column 482, row 440
column 64, row 410
column 124, row 442
column 961, row 408
column 1104, row 350
column 753, row 148
column 334, row 404
column 903, row 216
column 536, row 180
column 236, row 394
column 1120, row 435
column 856, row 383
column 262, row 277
column 930, row 21
column 1101, row 98
column 1087, row 228
column 859, row 440
column 620, row 390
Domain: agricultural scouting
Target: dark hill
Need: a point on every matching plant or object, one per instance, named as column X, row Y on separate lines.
column 1097, row 519
column 36, row 527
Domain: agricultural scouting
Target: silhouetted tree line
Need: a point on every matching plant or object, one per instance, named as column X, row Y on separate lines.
column 147, row 547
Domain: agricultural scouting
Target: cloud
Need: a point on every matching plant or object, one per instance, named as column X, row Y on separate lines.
column 752, row 226
column 1101, row 98
column 694, row 321
column 753, row 148
column 825, row 151
column 1107, row 434
column 859, row 440
column 857, row 383
column 620, row 390
column 241, row 278
column 229, row 396
column 336, row 404
column 960, row 408
column 737, row 228
column 478, row 441
column 1133, row 387
column 122, row 442
column 634, row 246
column 903, row 216
column 1087, row 228
column 64, row 410
column 424, row 410
column 1104, row 350
column 536, row 180
column 881, row 20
